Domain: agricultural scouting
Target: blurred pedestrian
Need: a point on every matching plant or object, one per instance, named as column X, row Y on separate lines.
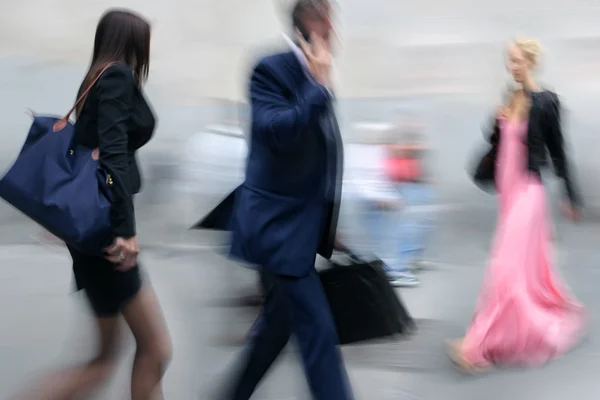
column 286, row 210
column 379, row 202
column 116, row 120
column 406, row 166
column 525, row 314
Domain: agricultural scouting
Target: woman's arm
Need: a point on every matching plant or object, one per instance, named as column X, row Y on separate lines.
column 114, row 93
column 556, row 147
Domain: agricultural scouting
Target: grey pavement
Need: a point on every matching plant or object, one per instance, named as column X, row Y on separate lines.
column 45, row 325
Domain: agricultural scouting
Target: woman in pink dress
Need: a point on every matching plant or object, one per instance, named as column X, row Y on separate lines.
column 525, row 315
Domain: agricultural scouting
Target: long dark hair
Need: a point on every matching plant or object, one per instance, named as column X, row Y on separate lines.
column 121, row 36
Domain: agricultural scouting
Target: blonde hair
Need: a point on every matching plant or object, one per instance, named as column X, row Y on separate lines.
column 531, row 49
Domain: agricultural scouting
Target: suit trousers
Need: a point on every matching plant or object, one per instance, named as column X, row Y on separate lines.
column 295, row 306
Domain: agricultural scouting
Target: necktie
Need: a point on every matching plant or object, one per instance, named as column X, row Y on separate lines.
column 334, row 162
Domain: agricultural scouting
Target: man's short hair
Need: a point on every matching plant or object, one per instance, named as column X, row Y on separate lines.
column 302, row 6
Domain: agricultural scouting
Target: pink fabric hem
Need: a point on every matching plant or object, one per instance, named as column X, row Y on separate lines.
column 525, row 314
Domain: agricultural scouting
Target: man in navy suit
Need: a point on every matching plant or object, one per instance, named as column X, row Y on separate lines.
column 286, row 210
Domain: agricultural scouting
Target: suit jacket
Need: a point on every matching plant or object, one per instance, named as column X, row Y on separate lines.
column 286, row 210
column 117, row 119
column 219, row 218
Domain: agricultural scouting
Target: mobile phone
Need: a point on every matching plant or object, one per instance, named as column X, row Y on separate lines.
column 305, row 34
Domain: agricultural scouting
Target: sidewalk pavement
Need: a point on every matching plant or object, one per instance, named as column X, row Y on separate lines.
column 45, row 326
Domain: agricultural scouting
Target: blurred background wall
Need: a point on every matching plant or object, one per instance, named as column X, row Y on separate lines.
column 444, row 55
column 200, row 47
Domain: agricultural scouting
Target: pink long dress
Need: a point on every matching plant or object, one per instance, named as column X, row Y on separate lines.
column 525, row 315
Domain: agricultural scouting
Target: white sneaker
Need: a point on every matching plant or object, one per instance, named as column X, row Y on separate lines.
column 404, row 279
column 420, row 265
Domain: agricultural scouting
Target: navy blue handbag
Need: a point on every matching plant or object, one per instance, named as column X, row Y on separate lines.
column 61, row 185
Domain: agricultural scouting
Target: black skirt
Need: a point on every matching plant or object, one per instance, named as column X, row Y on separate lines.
column 107, row 289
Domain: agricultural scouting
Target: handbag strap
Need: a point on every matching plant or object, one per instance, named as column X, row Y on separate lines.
column 349, row 253
column 61, row 123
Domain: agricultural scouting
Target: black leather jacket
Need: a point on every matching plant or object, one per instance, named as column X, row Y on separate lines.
column 544, row 135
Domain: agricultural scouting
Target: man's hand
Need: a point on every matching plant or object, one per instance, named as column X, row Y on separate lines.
column 389, row 205
column 337, row 244
column 319, row 58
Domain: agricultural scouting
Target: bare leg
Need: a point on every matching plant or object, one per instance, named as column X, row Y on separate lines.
column 81, row 380
column 144, row 317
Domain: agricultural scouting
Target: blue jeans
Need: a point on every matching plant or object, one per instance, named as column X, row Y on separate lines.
column 378, row 230
column 415, row 223
column 399, row 237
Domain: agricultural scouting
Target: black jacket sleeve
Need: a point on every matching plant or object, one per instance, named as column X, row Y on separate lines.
column 114, row 91
column 556, row 147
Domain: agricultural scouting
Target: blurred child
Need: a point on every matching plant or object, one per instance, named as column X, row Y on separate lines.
column 377, row 199
column 406, row 169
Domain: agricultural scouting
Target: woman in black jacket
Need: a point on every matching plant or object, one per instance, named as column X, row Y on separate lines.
column 116, row 119
column 525, row 314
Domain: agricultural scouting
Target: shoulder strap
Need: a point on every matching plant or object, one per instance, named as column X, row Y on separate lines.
column 61, row 123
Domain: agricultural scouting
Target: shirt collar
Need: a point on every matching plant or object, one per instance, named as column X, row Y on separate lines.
column 300, row 57
column 297, row 52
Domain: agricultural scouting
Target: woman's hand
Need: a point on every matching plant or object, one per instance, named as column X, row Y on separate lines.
column 569, row 211
column 123, row 252
column 502, row 113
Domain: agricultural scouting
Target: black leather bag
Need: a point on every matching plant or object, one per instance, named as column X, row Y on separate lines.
column 483, row 171
column 363, row 303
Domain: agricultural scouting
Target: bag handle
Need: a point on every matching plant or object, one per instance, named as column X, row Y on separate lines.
column 61, row 123
column 349, row 253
